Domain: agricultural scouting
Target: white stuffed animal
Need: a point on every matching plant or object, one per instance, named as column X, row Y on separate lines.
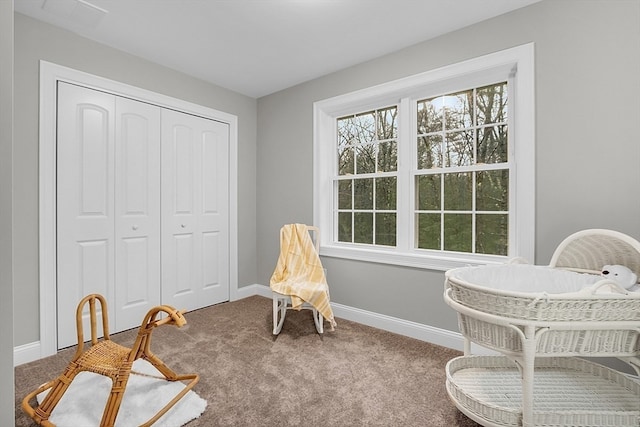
column 620, row 274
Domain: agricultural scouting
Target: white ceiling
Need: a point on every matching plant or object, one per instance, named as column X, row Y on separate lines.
column 257, row 47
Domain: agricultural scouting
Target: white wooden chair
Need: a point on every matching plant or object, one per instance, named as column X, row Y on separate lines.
column 282, row 303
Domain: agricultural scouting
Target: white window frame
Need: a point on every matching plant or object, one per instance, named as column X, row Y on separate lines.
column 516, row 65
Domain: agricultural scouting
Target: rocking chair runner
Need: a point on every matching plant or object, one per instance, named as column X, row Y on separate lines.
column 107, row 358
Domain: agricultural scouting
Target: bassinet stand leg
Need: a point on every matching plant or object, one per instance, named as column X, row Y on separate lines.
column 528, row 369
column 526, row 365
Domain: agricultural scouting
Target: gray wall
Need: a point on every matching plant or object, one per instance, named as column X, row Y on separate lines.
column 6, row 208
column 587, row 146
column 35, row 41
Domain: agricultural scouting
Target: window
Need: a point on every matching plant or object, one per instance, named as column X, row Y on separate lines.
column 462, row 174
column 366, row 183
column 435, row 170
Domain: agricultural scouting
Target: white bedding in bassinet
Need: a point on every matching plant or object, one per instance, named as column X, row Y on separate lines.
column 526, row 278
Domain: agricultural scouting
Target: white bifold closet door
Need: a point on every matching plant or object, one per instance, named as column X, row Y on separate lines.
column 141, row 208
column 195, row 218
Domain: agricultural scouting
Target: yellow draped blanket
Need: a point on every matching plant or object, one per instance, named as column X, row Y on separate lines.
column 299, row 272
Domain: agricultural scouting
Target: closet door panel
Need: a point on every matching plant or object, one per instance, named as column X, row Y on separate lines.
column 211, row 276
column 137, row 206
column 94, row 263
column 134, row 284
column 184, row 262
column 214, row 152
column 85, row 205
column 194, row 211
column 184, row 174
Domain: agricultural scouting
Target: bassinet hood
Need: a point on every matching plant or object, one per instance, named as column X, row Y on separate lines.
column 590, row 250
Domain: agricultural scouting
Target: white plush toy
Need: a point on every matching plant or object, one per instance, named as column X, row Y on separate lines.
column 620, row 274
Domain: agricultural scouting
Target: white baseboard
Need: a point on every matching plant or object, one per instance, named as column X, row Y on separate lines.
column 407, row 328
column 26, row 353
column 30, row 352
column 251, row 290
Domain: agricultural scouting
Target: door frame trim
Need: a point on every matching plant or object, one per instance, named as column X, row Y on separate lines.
column 50, row 74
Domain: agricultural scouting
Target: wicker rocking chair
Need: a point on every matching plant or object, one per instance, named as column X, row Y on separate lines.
column 107, row 358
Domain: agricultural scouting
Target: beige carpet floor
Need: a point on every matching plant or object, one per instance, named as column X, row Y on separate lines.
column 354, row 376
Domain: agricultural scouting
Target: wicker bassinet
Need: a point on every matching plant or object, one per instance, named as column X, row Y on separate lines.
column 524, row 326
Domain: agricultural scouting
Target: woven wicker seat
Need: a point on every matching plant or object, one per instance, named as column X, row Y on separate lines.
column 112, row 360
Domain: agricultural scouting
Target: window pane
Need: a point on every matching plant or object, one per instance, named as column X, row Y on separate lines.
column 386, row 190
column 345, row 161
column 430, row 115
column 492, row 104
column 492, row 234
column 344, row 227
column 363, row 193
column 492, row 144
column 365, row 125
column 428, row 192
column 457, row 232
column 344, row 194
column 363, row 227
column 459, row 150
column 387, row 124
column 388, row 156
column 386, row 229
column 429, row 151
column 346, row 131
column 458, row 110
column 428, row 226
column 457, row 191
column 366, row 158
column 492, row 190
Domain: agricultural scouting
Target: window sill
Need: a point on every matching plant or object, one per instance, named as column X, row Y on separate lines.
column 430, row 260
